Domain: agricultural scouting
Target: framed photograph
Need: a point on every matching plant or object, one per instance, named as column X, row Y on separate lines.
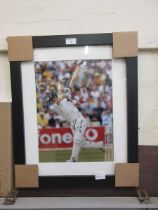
column 102, row 92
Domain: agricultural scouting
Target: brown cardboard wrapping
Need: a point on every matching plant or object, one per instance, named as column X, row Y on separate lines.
column 125, row 44
column 127, row 174
column 6, row 172
column 26, row 176
column 20, row 48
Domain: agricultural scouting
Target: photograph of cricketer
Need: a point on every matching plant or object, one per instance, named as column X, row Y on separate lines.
column 74, row 110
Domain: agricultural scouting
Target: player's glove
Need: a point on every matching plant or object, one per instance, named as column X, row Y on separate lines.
column 67, row 93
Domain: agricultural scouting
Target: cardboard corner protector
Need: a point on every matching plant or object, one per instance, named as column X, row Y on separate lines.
column 126, row 174
column 20, row 48
column 26, row 176
column 125, row 44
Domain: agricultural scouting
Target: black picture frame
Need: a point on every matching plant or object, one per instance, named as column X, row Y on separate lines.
column 82, row 184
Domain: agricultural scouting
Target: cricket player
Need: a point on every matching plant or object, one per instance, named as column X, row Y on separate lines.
column 66, row 107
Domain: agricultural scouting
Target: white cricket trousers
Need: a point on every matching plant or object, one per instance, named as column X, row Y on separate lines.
column 78, row 127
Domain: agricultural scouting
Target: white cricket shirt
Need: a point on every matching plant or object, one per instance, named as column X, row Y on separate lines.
column 68, row 110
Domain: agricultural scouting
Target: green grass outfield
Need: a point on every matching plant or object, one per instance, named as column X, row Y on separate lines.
column 86, row 155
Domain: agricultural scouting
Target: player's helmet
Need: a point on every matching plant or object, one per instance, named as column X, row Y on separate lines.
column 67, row 90
column 67, row 93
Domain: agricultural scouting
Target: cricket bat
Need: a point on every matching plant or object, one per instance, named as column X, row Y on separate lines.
column 74, row 77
